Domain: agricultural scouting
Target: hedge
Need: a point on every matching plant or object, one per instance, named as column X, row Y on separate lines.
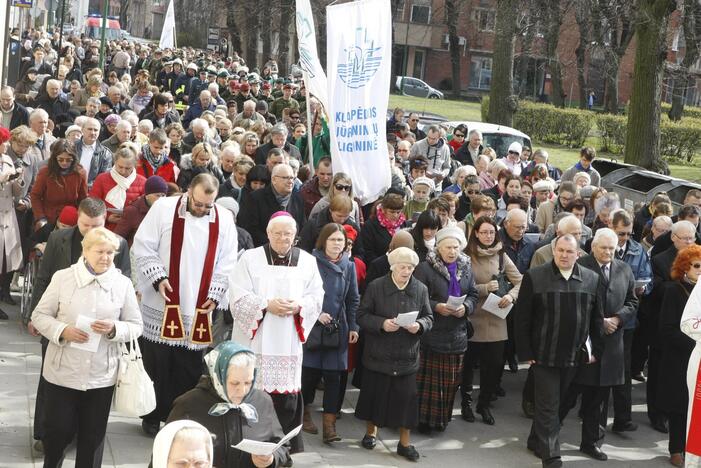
column 549, row 124
column 689, row 111
column 678, row 140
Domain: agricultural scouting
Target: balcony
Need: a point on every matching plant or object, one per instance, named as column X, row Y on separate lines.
column 418, row 35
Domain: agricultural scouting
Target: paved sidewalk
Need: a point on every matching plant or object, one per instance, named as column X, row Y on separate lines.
column 462, row 444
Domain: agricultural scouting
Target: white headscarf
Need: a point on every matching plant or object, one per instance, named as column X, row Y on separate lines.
column 164, row 441
column 117, row 196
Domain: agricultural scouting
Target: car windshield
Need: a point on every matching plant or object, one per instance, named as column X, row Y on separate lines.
column 95, row 33
column 500, row 142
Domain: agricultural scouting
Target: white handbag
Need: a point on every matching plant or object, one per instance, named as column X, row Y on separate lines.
column 134, row 394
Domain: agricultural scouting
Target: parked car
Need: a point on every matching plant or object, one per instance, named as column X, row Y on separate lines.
column 498, row 137
column 416, row 87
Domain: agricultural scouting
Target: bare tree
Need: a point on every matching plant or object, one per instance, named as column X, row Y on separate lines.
column 527, row 31
column 252, row 27
column 582, row 16
column 453, row 8
column 287, row 12
column 502, row 102
column 233, row 28
column 691, row 24
column 552, row 13
column 612, row 30
column 643, row 133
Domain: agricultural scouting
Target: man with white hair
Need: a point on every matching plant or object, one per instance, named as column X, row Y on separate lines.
column 39, row 123
column 471, row 149
column 275, row 297
column 617, row 295
column 121, row 135
column 92, row 155
column 199, row 133
column 200, row 105
column 184, row 251
column 55, row 103
column 145, row 127
column 249, row 116
column 213, row 89
column 660, row 226
column 258, row 206
column 278, row 139
column 519, row 249
column 114, row 93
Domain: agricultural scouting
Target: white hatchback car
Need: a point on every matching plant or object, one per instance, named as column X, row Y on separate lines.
column 497, row 137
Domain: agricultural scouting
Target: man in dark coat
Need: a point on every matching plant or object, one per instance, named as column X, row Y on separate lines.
column 62, row 250
column 13, row 114
column 471, row 149
column 318, row 186
column 55, row 104
column 160, row 116
column 568, row 291
column 278, row 139
column 689, row 213
column 617, row 293
column 259, row 206
column 683, row 235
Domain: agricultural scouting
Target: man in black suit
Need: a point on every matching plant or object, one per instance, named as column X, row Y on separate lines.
column 260, row 205
column 683, row 234
column 617, row 294
column 62, row 250
column 691, row 213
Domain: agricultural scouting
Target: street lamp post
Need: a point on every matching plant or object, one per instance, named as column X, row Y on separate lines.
column 105, row 10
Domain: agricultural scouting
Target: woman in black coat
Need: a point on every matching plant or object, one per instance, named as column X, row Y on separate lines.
column 446, row 272
column 388, row 397
column 673, row 393
column 424, row 233
column 225, row 402
column 379, row 229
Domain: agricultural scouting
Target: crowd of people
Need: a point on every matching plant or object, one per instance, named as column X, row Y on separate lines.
column 173, row 195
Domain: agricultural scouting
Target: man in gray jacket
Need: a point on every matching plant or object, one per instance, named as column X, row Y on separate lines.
column 435, row 149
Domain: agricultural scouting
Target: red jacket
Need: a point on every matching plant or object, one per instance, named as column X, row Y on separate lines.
column 104, row 183
column 50, row 195
column 169, row 171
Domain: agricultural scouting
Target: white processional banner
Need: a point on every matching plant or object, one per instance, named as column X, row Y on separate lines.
column 315, row 77
column 358, row 63
column 168, row 33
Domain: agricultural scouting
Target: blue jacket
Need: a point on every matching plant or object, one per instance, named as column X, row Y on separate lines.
column 522, row 254
column 195, row 111
column 636, row 257
column 341, row 301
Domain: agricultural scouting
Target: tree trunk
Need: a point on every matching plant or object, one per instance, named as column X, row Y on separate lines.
column 692, row 36
column 234, row 34
column 502, row 102
column 319, row 13
column 452, row 13
column 252, row 28
column 525, row 60
column 123, row 8
column 287, row 11
column 553, row 18
column 582, row 17
column 643, row 135
column 611, row 96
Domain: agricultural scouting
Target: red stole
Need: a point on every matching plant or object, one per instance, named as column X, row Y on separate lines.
column 693, row 444
column 172, row 327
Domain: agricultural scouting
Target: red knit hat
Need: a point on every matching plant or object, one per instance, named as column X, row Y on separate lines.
column 351, row 233
column 4, row 135
column 68, row 216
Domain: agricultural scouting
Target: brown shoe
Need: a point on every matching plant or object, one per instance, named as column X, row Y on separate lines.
column 677, row 459
column 308, row 425
column 330, row 428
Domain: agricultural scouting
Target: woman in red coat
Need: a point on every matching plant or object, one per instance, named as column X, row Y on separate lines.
column 120, row 186
column 60, row 183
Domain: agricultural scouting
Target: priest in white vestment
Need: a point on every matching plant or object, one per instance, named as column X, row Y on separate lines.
column 690, row 324
column 275, row 297
column 185, row 249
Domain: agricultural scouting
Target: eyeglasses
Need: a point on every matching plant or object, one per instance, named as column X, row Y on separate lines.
column 197, row 204
column 685, row 239
column 624, row 234
column 344, row 188
column 287, row 178
column 458, row 135
column 413, row 120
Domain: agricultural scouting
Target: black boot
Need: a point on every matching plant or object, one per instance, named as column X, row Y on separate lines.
column 466, row 409
column 487, row 418
column 3, row 315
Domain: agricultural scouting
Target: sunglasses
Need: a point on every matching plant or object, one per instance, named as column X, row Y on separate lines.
column 458, row 135
column 344, row 188
column 413, row 120
column 513, row 152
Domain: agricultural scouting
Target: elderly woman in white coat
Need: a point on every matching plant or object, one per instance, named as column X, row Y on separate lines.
column 690, row 324
column 86, row 311
column 11, row 185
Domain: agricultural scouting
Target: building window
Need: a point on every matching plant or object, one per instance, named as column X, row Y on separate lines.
column 486, row 19
column 480, row 72
column 420, row 14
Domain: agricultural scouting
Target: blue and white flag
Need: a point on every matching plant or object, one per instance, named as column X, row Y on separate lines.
column 359, row 55
column 315, row 77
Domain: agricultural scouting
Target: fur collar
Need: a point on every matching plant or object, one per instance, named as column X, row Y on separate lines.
column 433, row 259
